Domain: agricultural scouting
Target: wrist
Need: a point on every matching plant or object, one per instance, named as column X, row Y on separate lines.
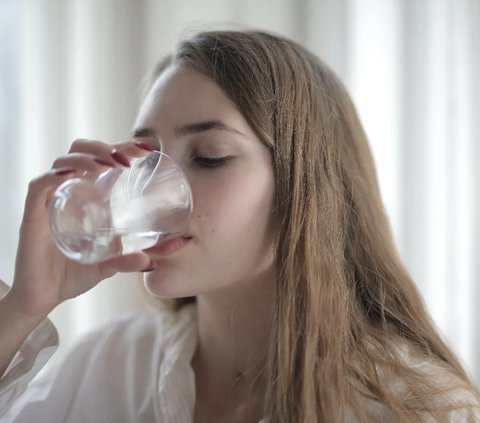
column 11, row 313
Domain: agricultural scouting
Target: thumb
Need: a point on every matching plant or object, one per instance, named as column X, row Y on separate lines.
column 136, row 262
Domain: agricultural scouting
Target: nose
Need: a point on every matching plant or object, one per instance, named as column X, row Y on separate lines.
column 173, row 152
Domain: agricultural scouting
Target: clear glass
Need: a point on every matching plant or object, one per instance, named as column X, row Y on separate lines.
column 122, row 210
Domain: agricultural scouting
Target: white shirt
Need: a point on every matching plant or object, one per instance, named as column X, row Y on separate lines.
column 134, row 369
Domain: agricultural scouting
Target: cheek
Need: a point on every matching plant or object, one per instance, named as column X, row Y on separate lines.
column 234, row 240
column 232, row 212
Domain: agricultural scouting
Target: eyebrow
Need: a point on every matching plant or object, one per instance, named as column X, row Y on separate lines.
column 190, row 129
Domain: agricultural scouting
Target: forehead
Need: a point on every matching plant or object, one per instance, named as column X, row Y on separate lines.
column 181, row 95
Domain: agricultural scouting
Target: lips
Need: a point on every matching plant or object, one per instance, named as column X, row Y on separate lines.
column 168, row 247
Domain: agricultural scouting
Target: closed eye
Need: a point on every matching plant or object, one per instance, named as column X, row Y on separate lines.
column 212, row 161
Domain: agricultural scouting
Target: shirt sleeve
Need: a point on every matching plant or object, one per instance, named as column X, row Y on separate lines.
column 35, row 351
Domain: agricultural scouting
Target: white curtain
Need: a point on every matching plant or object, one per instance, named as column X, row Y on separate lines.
column 72, row 69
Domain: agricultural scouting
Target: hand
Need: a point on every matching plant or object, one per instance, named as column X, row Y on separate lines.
column 44, row 277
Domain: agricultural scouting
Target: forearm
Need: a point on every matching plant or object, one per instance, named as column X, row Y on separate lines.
column 14, row 328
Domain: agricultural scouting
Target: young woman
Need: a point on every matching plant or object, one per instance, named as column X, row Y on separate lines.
column 289, row 300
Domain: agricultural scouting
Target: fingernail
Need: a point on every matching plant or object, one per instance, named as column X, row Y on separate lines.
column 151, row 267
column 104, row 162
column 144, row 146
column 120, row 158
column 63, row 171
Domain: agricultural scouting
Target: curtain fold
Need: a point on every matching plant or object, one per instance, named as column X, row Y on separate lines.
column 72, row 69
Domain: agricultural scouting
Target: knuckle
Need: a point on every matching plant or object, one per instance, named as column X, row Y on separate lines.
column 78, row 144
column 57, row 161
column 34, row 184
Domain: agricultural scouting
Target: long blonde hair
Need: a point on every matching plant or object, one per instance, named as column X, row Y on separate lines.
column 347, row 312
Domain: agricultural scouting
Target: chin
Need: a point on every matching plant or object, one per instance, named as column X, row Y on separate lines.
column 165, row 287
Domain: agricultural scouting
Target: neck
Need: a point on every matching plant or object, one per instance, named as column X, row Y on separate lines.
column 234, row 327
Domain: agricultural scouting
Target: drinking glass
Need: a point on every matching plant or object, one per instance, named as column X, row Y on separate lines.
column 121, row 210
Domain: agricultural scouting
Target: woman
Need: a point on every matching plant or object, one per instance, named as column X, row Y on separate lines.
column 289, row 300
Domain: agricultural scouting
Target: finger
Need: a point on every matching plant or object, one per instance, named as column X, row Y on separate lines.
column 137, row 147
column 95, row 147
column 40, row 189
column 104, row 152
column 134, row 147
column 84, row 161
column 136, row 262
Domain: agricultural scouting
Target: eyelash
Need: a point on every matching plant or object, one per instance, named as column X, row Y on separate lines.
column 211, row 161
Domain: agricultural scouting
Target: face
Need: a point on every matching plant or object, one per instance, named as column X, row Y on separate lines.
column 231, row 177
